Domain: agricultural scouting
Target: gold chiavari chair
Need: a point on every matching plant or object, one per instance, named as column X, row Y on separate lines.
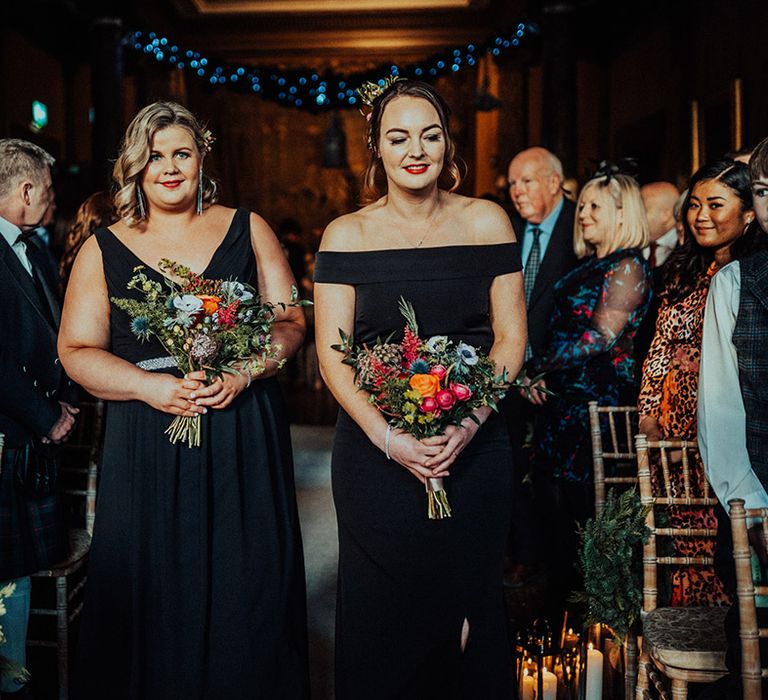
column 79, row 473
column 752, row 673
column 686, row 644
column 616, row 445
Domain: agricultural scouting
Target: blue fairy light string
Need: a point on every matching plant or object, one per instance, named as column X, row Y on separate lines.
column 309, row 89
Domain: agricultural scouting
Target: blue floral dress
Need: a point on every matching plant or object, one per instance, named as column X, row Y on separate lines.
column 598, row 307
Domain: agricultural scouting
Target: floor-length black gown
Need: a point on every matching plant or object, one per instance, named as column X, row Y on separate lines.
column 196, row 575
column 406, row 583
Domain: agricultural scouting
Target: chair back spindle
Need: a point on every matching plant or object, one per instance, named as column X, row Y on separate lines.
column 615, row 445
column 750, row 633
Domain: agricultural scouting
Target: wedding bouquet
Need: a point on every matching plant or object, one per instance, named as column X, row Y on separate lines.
column 424, row 385
column 203, row 324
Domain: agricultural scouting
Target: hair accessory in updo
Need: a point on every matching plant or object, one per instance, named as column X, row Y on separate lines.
column 208, row 140
column 370, row 92
column 607, row 170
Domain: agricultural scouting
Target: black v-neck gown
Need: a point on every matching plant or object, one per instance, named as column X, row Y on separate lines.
column 196, row 575
column 406, row 583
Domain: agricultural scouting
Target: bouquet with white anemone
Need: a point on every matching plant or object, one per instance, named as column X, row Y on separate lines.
column 204, row 324
column 424, row 385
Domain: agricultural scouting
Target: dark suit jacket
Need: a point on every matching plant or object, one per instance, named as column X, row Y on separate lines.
column 32, row 380
column 558, row 260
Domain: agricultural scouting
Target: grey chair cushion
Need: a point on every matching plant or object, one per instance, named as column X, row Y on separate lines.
column 687, row 638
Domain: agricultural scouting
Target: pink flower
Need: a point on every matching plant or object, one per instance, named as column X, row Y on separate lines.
column 445, row 399
column 461, row 391
column 428, row 405
column 439, row 371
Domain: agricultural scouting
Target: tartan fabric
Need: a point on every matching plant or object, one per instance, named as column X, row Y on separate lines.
column 32, row 532
column 750, row 337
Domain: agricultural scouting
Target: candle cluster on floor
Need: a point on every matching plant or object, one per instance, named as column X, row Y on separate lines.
column 571, row 667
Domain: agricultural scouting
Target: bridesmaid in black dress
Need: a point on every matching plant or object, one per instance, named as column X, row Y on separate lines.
column 420, row 608
column 196, row 578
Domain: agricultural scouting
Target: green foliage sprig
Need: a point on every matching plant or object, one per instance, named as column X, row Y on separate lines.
column 611, row 559
column 9, row 669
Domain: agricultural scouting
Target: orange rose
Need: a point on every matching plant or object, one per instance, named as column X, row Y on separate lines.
column 425, row 384
column 210, row 304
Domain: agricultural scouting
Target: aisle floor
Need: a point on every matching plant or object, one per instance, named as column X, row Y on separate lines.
column 312, row 461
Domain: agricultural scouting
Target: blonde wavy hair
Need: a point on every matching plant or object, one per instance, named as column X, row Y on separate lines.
column 619, row 192
column 137, row 146
column 374, row 178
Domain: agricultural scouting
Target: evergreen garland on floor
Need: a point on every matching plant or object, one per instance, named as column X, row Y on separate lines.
column 611, row 560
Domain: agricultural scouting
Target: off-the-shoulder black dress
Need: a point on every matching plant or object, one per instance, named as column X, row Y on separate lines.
column 407, row 583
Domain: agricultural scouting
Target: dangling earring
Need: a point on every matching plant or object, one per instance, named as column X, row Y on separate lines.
column 199, row 207
column 140, row 201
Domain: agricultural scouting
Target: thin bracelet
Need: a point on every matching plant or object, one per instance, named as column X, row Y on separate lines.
column 249, row 374
column 386, row 441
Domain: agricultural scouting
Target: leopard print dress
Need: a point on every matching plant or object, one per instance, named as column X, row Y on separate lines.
column 668, row 393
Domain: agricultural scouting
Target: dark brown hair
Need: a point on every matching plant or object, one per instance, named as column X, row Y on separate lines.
column 689, row 262
column 95, row 212
column 758, row 163
column 375, row 179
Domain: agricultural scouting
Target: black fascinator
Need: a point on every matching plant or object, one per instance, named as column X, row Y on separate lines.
column 607, row 170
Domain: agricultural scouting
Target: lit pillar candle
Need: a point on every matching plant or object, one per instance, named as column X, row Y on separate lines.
column 594, row 674
column 550, row 685
column 526, row 686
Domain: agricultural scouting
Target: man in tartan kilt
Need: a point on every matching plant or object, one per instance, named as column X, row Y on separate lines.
column 35, row 397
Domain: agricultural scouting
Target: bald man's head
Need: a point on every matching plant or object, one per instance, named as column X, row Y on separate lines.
column 535, row 178
column 659, row 200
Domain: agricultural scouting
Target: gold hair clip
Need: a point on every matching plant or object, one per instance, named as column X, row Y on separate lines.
column 208, row 140
column 370, row 92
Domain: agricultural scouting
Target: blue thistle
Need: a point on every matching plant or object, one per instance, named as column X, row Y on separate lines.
column 419, row 367
column 140, row 327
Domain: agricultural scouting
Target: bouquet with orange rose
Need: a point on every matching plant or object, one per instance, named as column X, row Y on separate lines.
column 422, row 386
column 204, row 324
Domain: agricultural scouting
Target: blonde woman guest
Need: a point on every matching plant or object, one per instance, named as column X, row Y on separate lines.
column 420, row 607
column 196, row 580
column 598, row 307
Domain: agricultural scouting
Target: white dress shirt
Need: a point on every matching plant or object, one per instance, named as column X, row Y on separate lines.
column 665, row 245
column 722, row 421
column 11, row 233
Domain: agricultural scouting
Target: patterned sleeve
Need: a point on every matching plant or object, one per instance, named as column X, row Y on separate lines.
column 623, row 299
column 656, row 366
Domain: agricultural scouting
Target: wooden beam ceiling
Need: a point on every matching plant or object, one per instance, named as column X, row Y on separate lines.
column 349, row 33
